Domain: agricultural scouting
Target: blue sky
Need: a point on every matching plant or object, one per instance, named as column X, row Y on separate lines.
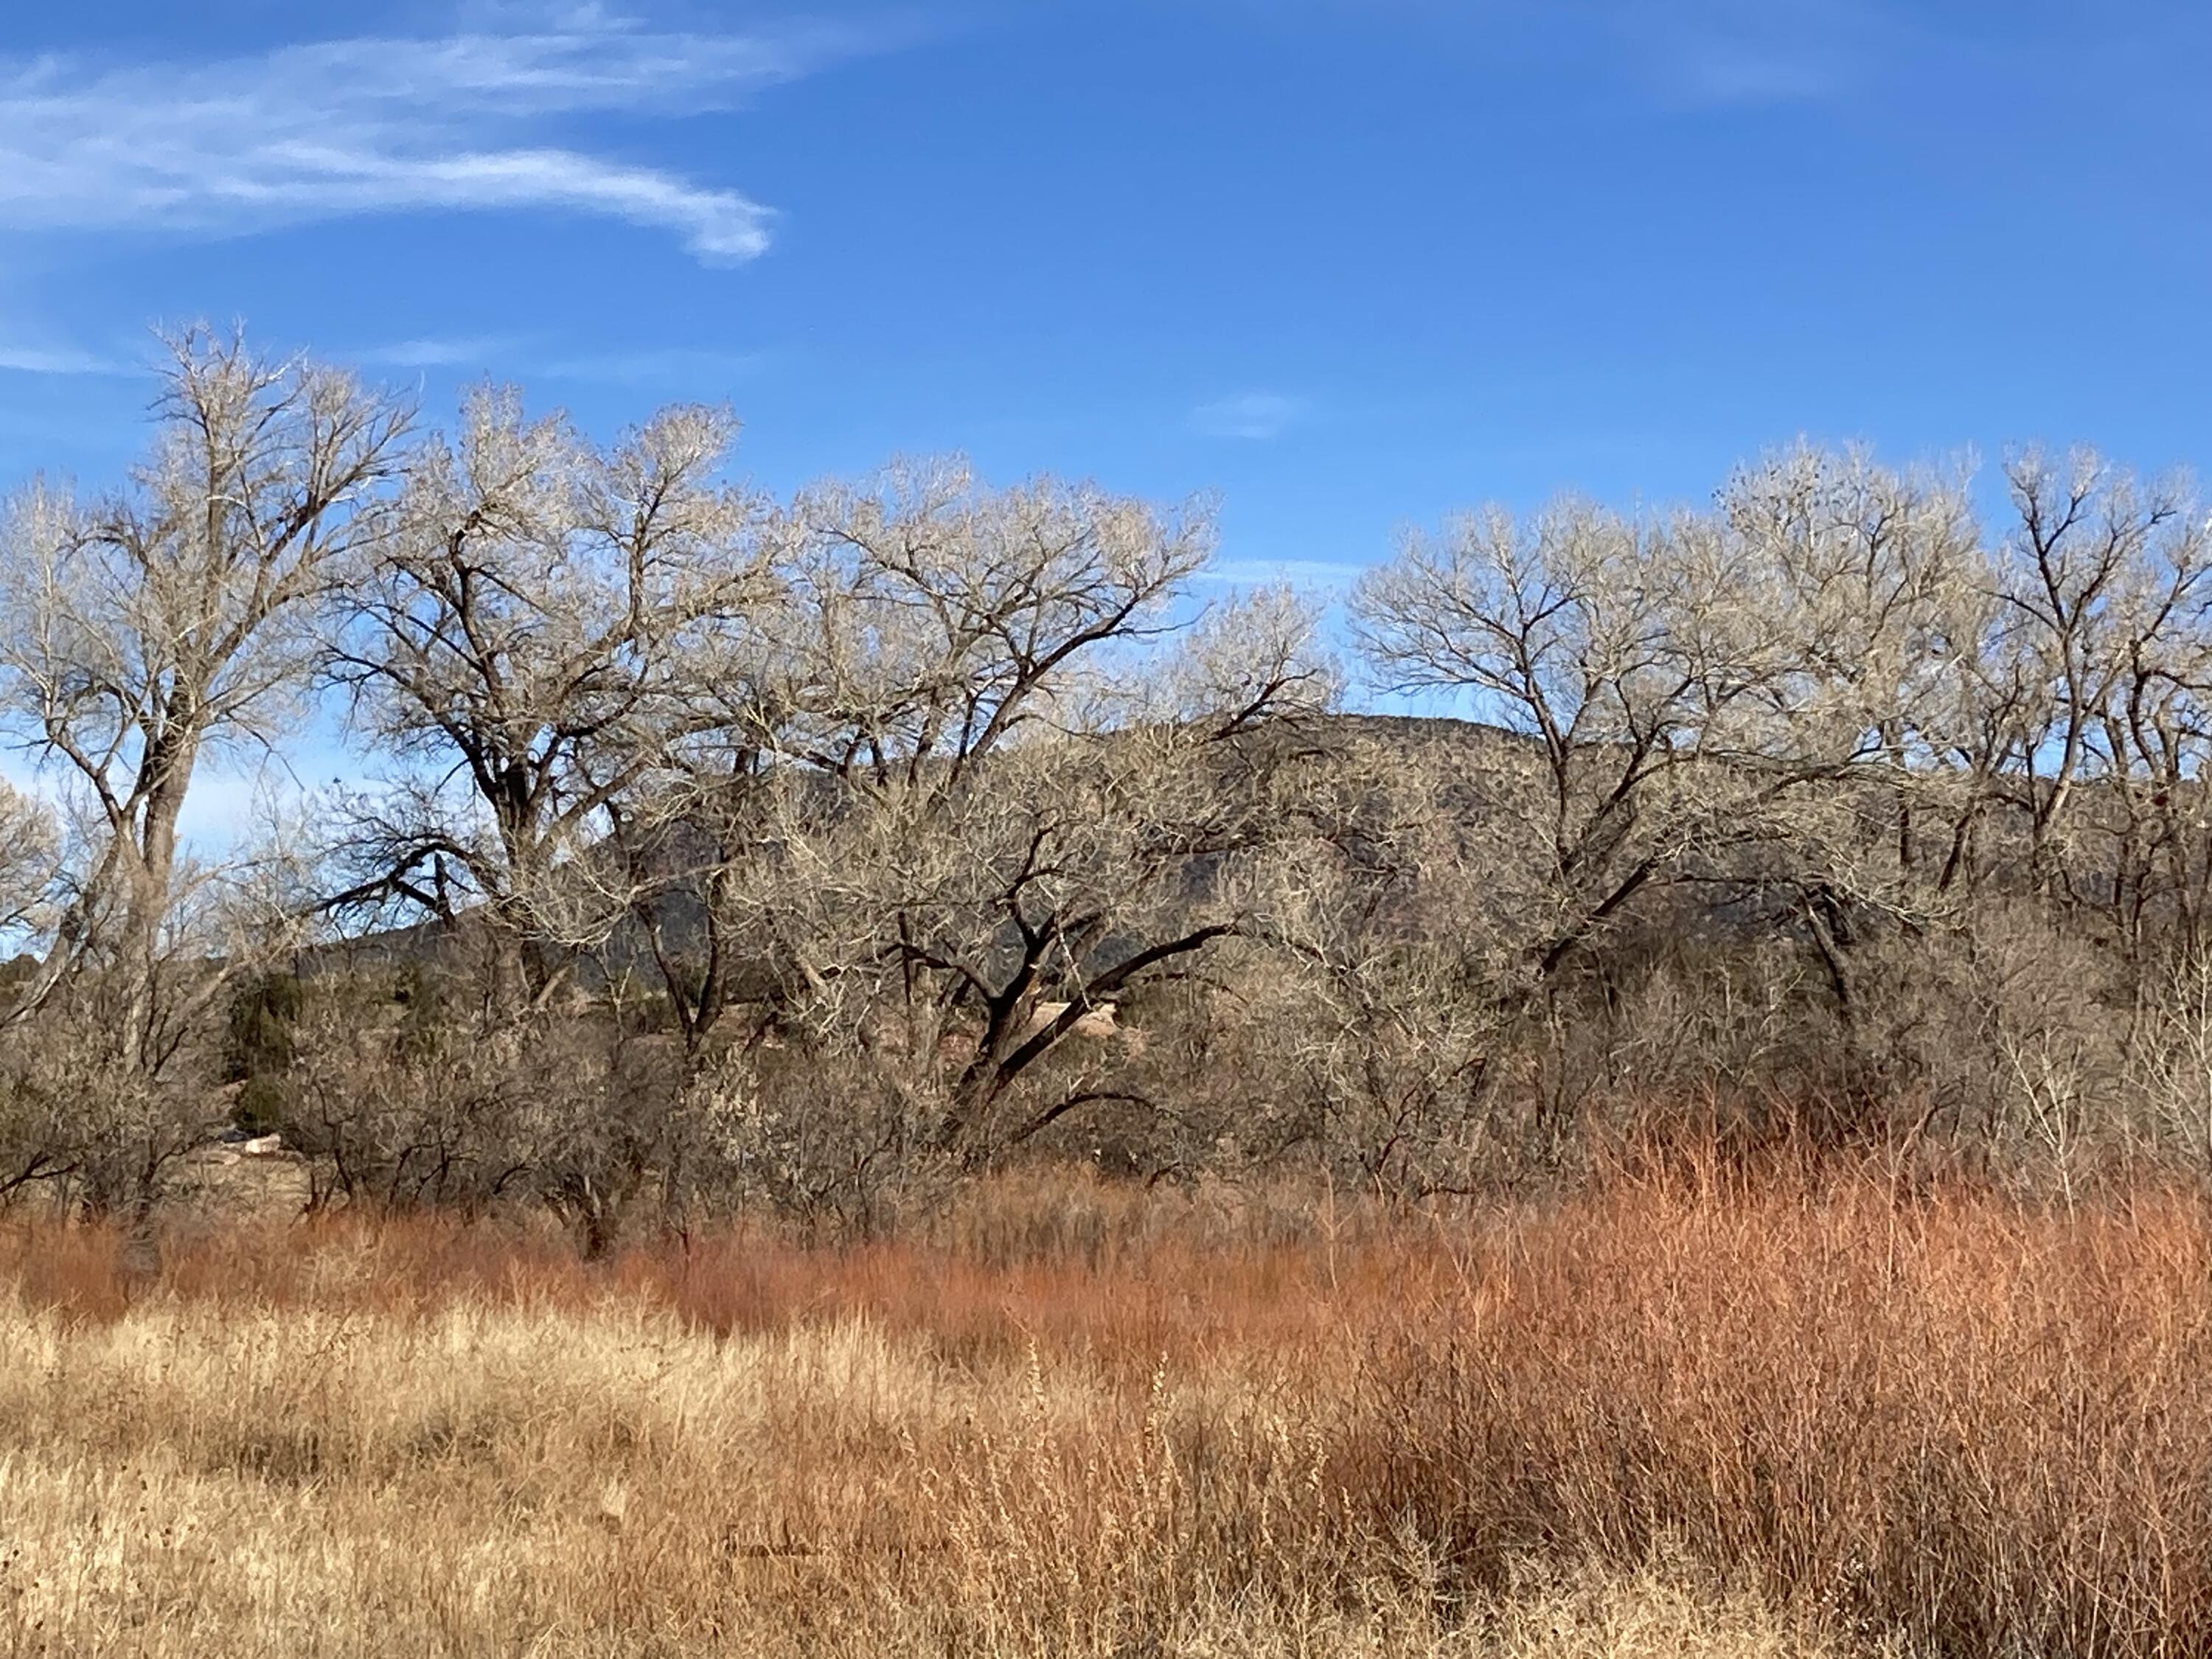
column 1350, row 263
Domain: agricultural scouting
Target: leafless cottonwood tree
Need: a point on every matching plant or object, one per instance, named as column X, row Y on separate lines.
column 143, row 631
column 31, row 894
column 518, row 644
column 918, row 627
column 1693, row 687
column 31, row 867
column 973, row 778
column 2109, row 583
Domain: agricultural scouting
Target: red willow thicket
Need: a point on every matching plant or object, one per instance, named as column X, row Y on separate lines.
column 1983, row 1425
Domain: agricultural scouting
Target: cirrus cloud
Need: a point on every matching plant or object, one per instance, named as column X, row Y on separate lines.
column 1253, row 415
column 340, row 128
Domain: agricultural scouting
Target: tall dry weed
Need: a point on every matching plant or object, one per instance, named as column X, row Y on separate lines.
column 1769, row 1414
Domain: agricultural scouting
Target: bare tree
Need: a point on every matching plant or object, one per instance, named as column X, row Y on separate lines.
column 142, row 631
column 30, row 867
column 1685, row 690
column 517, row 645
column 2111, row 584
column 965, row 789
column 916, row 628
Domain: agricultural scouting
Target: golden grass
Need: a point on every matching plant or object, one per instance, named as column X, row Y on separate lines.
column 1783, row 1418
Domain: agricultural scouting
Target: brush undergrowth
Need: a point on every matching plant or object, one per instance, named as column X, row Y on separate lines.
column 1685, row 1412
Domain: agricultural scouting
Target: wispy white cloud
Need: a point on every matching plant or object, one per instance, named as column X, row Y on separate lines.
column 1255, row 416
column 1708, row 52
column 1682, row 54
column 22, row 357
column 501, row 353
column 434, row 351
column 1737, row 72
column 652, row 367
column 341, row 128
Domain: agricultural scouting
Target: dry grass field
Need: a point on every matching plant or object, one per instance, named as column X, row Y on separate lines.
column 1681, row 1415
